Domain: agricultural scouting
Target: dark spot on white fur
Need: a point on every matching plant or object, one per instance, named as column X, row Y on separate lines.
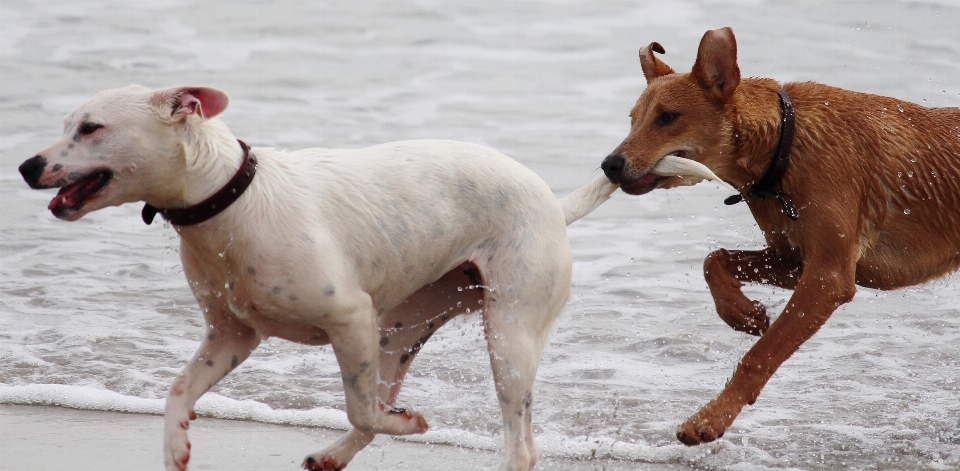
column 398, row 325
column 233, row 362
column 277, row 289
column 474, row 275
column 329, row 290
column 404, row 358
column 417, row 346
column 384, row 341
column 251, row 271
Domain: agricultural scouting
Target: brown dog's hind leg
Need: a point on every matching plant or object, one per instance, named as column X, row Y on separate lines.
column 726, row 271
column 825, row 285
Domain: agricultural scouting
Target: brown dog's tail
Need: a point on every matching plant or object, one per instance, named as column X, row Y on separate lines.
column 587, row 198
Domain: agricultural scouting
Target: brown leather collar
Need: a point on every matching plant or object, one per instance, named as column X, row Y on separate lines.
column 213, row 205
column 769, row 184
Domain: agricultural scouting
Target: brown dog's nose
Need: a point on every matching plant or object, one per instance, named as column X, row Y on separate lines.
column 32, row 169
column 613, row 166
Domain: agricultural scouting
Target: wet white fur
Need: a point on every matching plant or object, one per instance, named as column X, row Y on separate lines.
column 326, row 244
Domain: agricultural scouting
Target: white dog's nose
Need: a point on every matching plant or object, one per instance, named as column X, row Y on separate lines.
column 32, row 169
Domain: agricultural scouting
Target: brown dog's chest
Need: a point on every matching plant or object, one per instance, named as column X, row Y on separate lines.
column 776, row 226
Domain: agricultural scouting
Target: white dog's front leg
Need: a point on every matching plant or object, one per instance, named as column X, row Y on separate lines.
column 226, row 345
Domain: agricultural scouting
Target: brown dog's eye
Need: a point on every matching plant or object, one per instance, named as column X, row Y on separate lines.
column 88, row 128
column 666, row 117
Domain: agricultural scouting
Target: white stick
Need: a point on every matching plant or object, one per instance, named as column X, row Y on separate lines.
column 671, row 166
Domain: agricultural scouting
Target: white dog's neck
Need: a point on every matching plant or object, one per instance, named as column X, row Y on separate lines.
column 212, row 156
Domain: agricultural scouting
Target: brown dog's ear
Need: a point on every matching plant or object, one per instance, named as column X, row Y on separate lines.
column 716, row 66
column 653, row 67
column 176, row 103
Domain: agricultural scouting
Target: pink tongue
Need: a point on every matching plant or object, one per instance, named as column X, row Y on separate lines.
column 67, row 196
column 648, row 178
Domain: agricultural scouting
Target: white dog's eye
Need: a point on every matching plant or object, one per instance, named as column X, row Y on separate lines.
column 88, row 128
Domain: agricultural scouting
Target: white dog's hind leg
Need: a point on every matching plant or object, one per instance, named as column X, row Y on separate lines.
column 403, row 332
column 528, row 289
column 515, row 356
column 225, row 345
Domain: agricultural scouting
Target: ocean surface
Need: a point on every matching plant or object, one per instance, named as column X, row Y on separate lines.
column 97, row 314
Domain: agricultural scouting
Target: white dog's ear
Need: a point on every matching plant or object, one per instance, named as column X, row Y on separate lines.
column 176, row 103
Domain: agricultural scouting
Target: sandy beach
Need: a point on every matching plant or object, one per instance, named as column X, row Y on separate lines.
column 41, row 437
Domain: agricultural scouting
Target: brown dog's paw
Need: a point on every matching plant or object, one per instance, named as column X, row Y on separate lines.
column 692, row 435
column 705, row 426
column 745, row 316
column 325, row 463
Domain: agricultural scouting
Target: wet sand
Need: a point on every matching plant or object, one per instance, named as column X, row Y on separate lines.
column 43, row 437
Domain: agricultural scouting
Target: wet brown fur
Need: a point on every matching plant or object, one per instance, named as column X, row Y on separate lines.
column 876, row 181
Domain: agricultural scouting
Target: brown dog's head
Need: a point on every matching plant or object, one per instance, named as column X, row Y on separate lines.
column 678, row 118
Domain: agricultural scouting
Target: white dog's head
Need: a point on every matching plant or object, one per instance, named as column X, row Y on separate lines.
column 124, row 145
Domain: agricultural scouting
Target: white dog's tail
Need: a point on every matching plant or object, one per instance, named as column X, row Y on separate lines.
column 587, row 198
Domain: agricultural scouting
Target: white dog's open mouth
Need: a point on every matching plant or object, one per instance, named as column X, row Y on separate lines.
column 71, row 197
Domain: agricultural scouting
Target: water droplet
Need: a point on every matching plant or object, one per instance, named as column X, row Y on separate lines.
column 900, row 108
column 910, row 173
column 906, row 211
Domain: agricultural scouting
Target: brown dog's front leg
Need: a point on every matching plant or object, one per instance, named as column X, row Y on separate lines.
column 822, row 288
column 726, row 271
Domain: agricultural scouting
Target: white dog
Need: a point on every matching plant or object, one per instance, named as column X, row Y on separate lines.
column 369, row 250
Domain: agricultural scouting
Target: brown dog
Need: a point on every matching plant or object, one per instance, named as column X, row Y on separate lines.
column 868, row 195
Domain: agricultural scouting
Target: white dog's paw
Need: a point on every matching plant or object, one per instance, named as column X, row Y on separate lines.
column 323, row 462
column 176, row 445
column 405, row 422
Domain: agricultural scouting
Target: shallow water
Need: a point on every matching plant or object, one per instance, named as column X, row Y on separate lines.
column 97, row 314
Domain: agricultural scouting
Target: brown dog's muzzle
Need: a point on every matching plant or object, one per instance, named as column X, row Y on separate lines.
column 613, row 167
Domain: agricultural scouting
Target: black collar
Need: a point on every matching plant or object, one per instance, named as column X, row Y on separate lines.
column 769, row 184
column 213, row 205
